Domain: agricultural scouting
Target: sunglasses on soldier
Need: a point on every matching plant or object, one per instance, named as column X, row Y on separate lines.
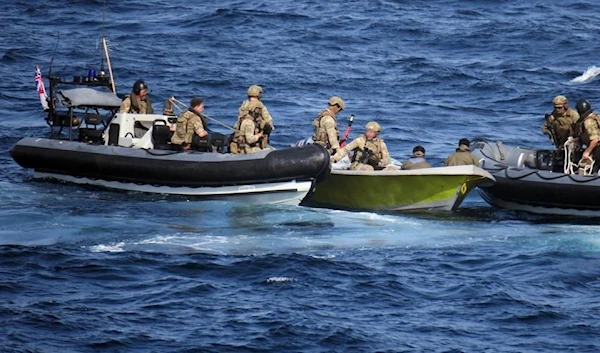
column 559, row 107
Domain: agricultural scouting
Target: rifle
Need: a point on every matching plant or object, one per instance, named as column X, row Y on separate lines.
column 347, row 132
column 369, row 157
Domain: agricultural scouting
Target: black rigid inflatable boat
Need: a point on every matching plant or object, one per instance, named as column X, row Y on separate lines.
column 534, row 181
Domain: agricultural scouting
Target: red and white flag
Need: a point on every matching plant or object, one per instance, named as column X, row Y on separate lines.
column 40, row 88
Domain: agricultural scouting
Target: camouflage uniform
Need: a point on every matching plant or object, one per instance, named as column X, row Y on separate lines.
column 131, row 104
column 462, row 156
column 253, row 118
column 188, row 124
column 561, row 125
column 589, row 128
column 380, row 156
column 326, row 133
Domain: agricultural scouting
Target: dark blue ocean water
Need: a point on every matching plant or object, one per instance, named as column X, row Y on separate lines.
column 85, row 270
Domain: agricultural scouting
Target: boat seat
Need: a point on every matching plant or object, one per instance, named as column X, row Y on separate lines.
column 90, row 132
column 213, row 142
column 93, row 119
column 161, row 135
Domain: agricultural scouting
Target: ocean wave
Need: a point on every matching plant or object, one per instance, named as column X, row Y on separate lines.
column 589, row 75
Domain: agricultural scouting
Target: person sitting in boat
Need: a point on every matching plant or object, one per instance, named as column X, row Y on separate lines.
column 189, row 125
column 138, row 101
column 559, row 124
column 254, row 124
column 326, row 132
column 588, row 134
column 417, row 160
column 370, row 151
column 463, row 155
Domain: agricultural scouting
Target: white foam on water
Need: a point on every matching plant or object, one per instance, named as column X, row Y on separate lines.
column 116, row 247
column 591, row 73
column 280, row 279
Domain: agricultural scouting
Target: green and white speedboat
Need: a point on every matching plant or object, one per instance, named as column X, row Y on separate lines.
column 441, row 188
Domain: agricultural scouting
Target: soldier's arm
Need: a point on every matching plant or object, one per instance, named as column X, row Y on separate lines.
column 356, row 143
column 545, row 128
column 329, row 125
column 267, row 117
column 125, row 105
column 199, row 128
column 385, row 155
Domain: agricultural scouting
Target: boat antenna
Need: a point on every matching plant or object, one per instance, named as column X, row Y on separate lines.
column 53, row 53
column 105, row 46
column 103, row 31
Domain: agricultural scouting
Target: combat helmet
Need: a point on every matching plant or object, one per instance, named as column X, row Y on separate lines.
column 372, row 125
column 583, row 106
column 560, row 100
column 255, row 91
column 335, row 100
column 138, row 86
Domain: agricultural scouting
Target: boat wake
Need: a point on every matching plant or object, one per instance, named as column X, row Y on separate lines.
column 305, row 231
column 590, row 74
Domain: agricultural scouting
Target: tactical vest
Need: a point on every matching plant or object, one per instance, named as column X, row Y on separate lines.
column 184, row 124
column 580, row 127
column 134, row 107
column 562, row 127
column 371, row 154
column 320, row 136
column 238, row 142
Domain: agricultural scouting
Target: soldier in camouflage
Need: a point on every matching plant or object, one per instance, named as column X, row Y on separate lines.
column 326, row 132
column 137, row 101
column 588, row 132
column 370, row 151
column 254, row 124
column 560, row 123
column 189, row 123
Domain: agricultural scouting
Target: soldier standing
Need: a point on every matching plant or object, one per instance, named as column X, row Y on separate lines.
column 254, row 124
column 560, row 123
column 326, row 132
column 588, row 132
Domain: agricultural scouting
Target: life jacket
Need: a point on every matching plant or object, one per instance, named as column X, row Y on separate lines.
column 320, row 136
column 135, row 104
column 370, row 154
